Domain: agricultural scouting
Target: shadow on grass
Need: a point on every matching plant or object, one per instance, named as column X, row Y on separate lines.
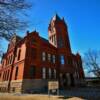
column 79, row 98
column 69, row 97
column 64, row 97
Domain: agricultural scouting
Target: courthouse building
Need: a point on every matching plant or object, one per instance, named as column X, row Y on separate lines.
column 30, row 62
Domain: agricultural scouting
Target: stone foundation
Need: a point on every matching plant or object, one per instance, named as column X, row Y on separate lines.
column 34, row 85
column 25, row 86
column 4, row 86
column 16, row 86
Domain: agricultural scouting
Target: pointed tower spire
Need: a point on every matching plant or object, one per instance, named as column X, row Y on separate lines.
column 56, row 17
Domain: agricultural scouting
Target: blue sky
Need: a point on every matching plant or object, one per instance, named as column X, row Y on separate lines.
column 82, row 17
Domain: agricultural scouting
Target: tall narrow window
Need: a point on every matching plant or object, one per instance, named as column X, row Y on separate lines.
column 8, row 60
column 55, row 73
column 8, row 75
column 19, row 53
column 16, row 73
column 33, row 53
column 55, row 39
column 0, row 75
column 3, row 63
column 32, row 71
column 52, row 38
column 60, row 41
column 54, row 58
column 49, row 57
column 62, row 61
column 49, row 73
column 11, row 59
column 3, row 75
column 43, row 56
column 44, row 73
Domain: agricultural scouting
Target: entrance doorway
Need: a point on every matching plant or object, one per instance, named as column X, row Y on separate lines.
column 63, row 80
column 72, row 79
column 66, row 80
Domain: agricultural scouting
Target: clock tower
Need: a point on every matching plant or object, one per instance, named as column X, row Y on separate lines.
column 58, row 33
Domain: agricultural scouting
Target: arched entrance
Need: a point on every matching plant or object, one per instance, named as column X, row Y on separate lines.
column 66, row 80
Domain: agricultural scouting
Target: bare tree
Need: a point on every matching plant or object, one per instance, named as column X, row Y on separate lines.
column 92, row 62
column 11, row 17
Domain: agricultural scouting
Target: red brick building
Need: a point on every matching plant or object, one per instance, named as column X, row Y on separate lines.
column 32, row 61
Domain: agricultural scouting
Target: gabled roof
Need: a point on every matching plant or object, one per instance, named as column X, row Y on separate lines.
column 44, row 40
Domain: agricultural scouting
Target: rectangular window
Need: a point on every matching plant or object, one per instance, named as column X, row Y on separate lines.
column 33, row 41
column 33, row 53
column 19, row 53
column 3, row 75
column 0, row 75
column 54, row 58
column 16, row 73
column 55, row 39
column 49, row 73
column 8, row 60
column 43, row 56
column 44, row 73
column 32, row 71
column 8, row 75
column 62, row 60
column 49, row 57
column 2, row 63
column 60, row 41
column 11, row 59
column 55, row 73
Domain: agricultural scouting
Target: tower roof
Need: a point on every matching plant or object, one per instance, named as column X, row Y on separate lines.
column 56, row 17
